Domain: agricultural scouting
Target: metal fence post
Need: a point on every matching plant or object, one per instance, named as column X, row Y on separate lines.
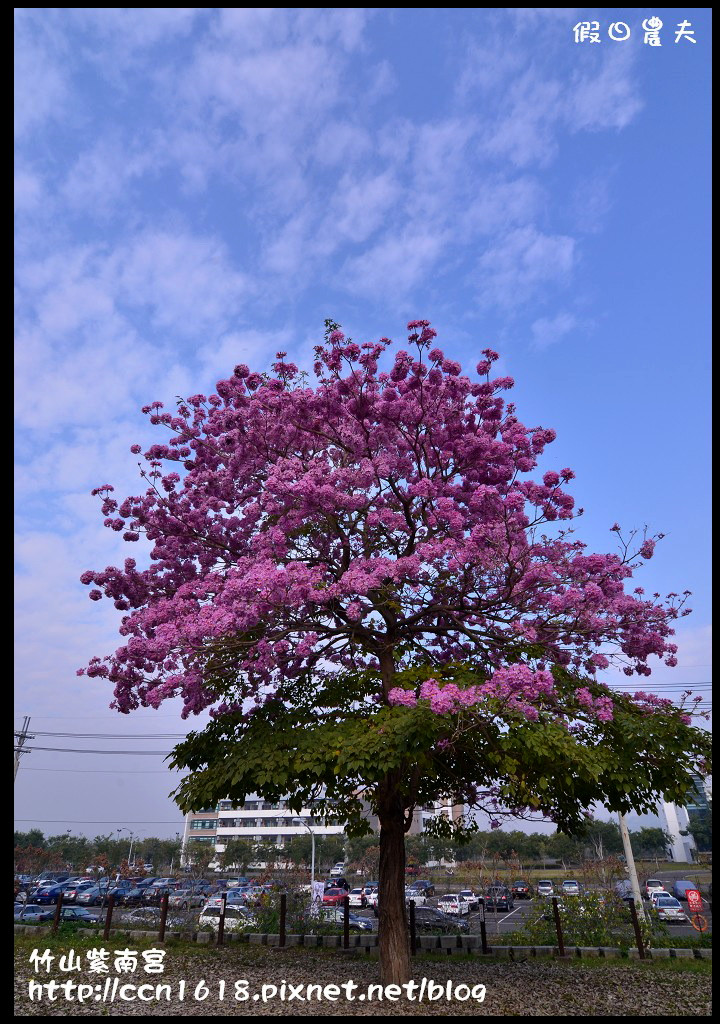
column 283, row 915
column 483, row 930
column 108, row 918
column 346, row 922
column 558, row 926
column 58, row 911
column 221, row 922
column 163, row 916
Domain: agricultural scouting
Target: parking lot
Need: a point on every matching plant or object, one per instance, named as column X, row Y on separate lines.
column 503, row 922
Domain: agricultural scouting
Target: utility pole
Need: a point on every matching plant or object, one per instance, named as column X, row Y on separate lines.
column 630, row 861
column 20, row 742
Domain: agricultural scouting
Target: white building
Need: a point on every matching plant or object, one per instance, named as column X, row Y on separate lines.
column 256, row 820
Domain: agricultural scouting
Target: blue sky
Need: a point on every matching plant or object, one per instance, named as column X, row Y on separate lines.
column 199, row 186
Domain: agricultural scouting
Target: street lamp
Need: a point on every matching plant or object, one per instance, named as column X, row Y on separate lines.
column 301, row 821
column 132, row 840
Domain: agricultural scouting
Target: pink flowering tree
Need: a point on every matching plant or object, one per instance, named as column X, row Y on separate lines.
column 380, row 605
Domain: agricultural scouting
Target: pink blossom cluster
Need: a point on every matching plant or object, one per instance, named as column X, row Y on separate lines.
column 376, row 519
column 518, row 687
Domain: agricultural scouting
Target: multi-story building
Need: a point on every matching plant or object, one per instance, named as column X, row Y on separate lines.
column 261, row 821
column 257, row 821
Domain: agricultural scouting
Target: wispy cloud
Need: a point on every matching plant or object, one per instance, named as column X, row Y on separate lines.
column 522, row 264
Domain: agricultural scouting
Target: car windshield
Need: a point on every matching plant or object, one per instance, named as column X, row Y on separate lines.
column 655, row 883
column 668, row 901
column 546, row 882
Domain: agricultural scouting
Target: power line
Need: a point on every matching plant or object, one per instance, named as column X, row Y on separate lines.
column 129, row 753
column 20, row 746
column 114, row 735
column 111, row 821
column 100, row 771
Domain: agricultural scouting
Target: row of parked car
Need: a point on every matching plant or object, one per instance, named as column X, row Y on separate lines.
column 145, row 891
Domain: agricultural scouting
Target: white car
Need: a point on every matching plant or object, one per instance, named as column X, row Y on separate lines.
column 453, row 904
column 570, row 888
column 372, row 897
column 545, row 888
column 653, row 885
column 237, row 919
column 418, row 898
column 669, row 909
column 471, row 898
column 357, row 897
column 338, row 870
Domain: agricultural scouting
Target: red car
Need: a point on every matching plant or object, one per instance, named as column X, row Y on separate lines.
column 333, row 897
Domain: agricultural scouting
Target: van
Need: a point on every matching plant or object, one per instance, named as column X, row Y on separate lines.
column 680, row 888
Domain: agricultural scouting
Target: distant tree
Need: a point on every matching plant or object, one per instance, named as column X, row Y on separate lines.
column 650, row 842
column 34, row 838
column 298, row 851
column 238, row 853
column 198, row 857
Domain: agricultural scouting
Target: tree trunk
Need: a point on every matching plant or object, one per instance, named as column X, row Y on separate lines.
column 392, row 923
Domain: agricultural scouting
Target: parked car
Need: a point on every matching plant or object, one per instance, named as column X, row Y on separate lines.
column 570, row 887
column 652, row 885
column 545, row 888
column 471, row 898
column 130, row 897
column 428, row 919
column 336, row 915
column 412, row 870
column 670, row 910
column 453, row 903
column 373, row 897
column 499, row 897
column 92, row 897
column 418, row 897
column 337, row 883
column 79, row 915
column 338, row 870
column 521, row 890
column 70, row 895
column 31, row 913
column 186, row 898
column 421, row 886
column 357, row 897
column 333, row 897
column 680, row 888
column 237, row 919
column 233, row 898
column 369, row 887
column 153, row 895
column 49, row 895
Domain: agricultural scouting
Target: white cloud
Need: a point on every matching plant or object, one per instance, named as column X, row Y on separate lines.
column 606, row 98
column 393, row 267
column 522, row 264
column 549, row 330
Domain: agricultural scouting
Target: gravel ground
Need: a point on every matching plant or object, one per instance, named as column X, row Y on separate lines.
column 531, row 988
